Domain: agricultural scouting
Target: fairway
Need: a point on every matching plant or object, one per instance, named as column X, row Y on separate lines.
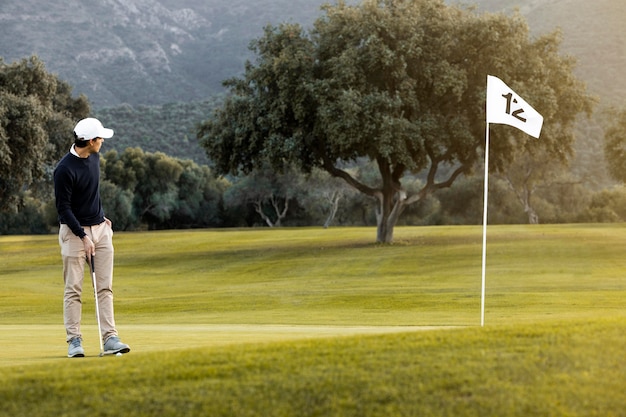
column 334, row 278
column 217, row 290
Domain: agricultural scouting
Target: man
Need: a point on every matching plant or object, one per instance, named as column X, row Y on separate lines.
column 85, row 233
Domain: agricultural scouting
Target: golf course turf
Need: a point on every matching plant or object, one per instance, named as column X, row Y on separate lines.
column 324, row 322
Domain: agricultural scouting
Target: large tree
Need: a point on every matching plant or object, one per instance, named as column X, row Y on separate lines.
column 37, row 115
column 401, row 82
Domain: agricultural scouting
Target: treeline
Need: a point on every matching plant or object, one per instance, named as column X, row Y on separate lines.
column 149, row 191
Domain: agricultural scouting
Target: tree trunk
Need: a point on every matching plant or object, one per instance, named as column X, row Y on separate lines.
column 387, row 218
column 384, row 232
column 392, row 198
column 524, row 196
column 334, row 206
column 280, row 214
column 533, row 217
column 275, row 203
column 258, row 207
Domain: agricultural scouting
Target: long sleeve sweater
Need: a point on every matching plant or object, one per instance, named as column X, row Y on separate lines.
column 77, row 192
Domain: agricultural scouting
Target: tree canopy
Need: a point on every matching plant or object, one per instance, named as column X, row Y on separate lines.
column 37, row 115
column 400, row 82
column 160, row 191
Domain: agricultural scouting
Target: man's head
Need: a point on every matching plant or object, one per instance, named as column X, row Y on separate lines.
column 91, row 128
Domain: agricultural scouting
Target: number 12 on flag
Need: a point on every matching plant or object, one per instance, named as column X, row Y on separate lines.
column 504, row 106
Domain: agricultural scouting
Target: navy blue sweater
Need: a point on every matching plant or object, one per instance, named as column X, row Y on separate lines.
column 77, row 191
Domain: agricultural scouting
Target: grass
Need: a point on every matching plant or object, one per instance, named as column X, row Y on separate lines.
column 312, row 322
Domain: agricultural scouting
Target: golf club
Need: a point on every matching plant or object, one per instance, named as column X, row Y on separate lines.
column 95, row 293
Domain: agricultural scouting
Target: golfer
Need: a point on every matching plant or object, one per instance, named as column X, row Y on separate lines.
column 84, row 233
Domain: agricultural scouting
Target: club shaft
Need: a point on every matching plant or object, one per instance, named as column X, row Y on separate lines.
column 95, row 294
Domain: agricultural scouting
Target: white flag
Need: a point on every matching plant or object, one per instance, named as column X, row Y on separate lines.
column 504, row 106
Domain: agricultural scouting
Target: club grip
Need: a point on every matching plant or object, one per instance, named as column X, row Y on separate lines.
column 93, row 268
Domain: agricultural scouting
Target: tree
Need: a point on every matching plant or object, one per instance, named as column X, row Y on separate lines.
column 118, row 205
column 162, row 191
column 400, row 82
column 151, row 177
column 322, row 196
column 199, row 197
column 527, row 174
column 268, row 191
column 37, row 114
column 615, row 145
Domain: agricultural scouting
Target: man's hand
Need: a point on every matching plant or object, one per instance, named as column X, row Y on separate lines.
column 90, row 248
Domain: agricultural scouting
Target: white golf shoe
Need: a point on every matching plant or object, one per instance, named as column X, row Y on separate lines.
column 75, row 348
column 113, row 345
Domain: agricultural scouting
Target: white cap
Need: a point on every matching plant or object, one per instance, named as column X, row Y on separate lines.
column 91, row 128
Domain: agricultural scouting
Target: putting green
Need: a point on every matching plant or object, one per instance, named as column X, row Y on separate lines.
column 35, row 344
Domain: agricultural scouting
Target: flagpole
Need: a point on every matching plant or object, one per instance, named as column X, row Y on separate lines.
column 485, row 198
column 513, row 111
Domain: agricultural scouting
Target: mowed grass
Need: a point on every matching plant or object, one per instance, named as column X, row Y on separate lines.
column 313, row 322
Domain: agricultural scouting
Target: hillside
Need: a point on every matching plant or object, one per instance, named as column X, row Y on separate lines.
column 592, row 32
column 149, row 52
column 142, row 52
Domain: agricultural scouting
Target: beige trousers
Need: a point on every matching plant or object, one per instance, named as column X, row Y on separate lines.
column 73, row 254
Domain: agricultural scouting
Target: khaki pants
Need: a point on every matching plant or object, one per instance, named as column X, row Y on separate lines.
column 73, row 254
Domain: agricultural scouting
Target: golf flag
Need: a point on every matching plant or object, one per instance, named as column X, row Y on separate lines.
column 504, row 106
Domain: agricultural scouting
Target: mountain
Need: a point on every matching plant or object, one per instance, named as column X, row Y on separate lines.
column 151, row 52
column 592, row 32
column 142, row 52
